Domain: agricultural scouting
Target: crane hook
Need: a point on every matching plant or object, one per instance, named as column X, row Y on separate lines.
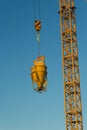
column 37, row 26
column 38, row 37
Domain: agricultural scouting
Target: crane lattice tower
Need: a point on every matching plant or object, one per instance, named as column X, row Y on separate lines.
column 72, row 96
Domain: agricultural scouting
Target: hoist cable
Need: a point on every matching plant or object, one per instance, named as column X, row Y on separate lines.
column 35, row 9
column 38, row 49
column 38, row 40
column 39, row 10
column 37, row 21
column 39, row 46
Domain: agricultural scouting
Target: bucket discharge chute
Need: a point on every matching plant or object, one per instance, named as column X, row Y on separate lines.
column 39, row 74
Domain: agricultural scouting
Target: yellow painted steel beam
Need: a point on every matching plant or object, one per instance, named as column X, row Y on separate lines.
column 71, row 76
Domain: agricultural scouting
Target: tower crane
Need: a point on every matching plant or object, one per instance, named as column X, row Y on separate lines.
column 70, row 66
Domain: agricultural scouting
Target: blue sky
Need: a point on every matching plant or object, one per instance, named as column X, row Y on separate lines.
column 20, row 107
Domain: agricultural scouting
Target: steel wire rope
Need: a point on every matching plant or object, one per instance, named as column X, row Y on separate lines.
column 39, row 10
column 34, row 15
column 35, row 18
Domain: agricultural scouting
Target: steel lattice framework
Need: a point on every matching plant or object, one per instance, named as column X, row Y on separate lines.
column 72, row 96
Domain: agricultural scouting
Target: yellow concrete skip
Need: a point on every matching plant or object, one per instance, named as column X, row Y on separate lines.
column 39, row 74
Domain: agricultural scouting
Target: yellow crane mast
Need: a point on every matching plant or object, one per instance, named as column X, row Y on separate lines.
column 71, row 76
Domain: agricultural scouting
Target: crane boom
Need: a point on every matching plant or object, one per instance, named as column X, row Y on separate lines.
column 71, row 76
